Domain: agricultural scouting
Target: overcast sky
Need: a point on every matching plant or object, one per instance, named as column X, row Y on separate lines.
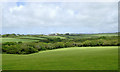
column 59, row 17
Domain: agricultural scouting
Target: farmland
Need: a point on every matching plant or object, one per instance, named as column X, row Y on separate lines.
column 16, row 40
column 27, row 44
column 73, row 58
column 60, row 52
column 31, row 38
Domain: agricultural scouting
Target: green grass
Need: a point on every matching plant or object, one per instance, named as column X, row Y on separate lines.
column 92, row 35
column 106, row 34
column 73, row 58
column 0, row 61
column 27, row 39
column 54, row 37
column 15, row 40
column 32, row 38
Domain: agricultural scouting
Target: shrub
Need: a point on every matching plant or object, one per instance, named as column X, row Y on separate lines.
column 55, row 43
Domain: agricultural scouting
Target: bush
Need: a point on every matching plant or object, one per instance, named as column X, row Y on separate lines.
column 55, row 43
column 9, row 43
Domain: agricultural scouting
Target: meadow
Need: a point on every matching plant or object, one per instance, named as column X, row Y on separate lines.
column 15, row 40
column 29, row 38
column 73, row 58
column 60, row 52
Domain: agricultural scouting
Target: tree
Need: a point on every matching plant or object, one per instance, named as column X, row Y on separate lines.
column 67, row 34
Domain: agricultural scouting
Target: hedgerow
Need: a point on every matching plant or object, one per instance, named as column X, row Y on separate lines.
column 55, row 43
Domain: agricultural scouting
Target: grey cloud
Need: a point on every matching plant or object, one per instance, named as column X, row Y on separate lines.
column 73, row 17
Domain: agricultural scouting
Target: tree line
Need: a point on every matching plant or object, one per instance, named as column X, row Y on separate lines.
column 55, row 43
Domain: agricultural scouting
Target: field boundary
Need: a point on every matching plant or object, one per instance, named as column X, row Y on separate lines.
column 60, row 71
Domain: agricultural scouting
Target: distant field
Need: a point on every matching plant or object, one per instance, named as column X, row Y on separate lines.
column 27, row 38
column 73, row 58
column 54, row 37
column 33, row 38
column 93, row 35
column 15, row 40
column 106, row 34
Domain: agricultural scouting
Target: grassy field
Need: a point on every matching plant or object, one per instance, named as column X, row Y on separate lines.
column 73, row 58
column 106, row 34
column 94, row 35
column 15, row 40
column 54, row 37
column 34, row 38
column 26, row 39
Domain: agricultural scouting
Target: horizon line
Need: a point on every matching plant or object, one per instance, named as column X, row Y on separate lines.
column 56, row 33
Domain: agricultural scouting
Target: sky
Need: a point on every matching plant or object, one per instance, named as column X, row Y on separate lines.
column 59, row 17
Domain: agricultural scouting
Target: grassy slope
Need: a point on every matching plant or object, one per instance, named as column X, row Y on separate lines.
column 31, row 38
column 54, row 37
column 77, row 58
column 26, row 39
column 15, row 40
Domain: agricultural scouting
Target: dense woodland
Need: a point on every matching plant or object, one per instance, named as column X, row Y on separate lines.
column 55, row 41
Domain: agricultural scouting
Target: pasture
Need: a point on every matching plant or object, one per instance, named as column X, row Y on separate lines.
column 26, row 38
column 16, row 40
column 33, row 38
column 73, row 58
